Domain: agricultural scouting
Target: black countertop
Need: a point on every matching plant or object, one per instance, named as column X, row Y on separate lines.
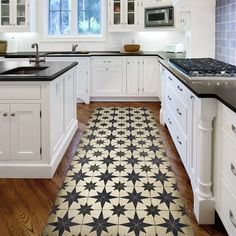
column 53, row 70
column 162, row 55
column 224, row 91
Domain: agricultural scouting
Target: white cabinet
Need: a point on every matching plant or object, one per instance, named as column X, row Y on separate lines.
column 183, row 20
column 20, row 132
column 81, row 74
column 157, row 3
column 142, row 76
column 15, row 15
column 123, row 15
column 107, row 81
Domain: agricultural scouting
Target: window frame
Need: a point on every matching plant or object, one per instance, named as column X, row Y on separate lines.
column 74, row 35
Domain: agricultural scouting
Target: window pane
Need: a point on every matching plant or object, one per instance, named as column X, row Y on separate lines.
column 59, row 17
column 89, row 16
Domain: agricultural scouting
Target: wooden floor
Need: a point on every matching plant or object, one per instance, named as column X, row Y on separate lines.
column 25, row 204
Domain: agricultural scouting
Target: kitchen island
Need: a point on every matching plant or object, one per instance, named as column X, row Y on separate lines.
column 37, row 117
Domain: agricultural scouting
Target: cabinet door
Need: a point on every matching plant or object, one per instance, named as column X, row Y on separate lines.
column 132, row 76
column 131, row 13
column 184, row 21
column 4, row 132
column 25, row 131
column 6, row 12
column 151, row 77
column 116, row 14
column 69, row 100
column 21, row 13
column 57, row 119
column 82, row 84
column 107, row 81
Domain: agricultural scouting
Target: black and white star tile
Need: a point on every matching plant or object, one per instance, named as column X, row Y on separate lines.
column 120, row 181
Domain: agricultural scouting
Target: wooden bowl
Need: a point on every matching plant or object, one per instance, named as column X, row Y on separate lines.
column 131, row 47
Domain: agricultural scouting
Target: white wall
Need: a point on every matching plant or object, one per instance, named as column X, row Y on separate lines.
column 150, row 41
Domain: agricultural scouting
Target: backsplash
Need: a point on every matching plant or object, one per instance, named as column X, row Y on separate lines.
column 226, row 31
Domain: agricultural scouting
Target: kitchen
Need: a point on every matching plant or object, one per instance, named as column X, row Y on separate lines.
column 113, row 141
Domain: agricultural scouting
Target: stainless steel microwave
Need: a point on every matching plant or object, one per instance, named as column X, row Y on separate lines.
column 155, row 17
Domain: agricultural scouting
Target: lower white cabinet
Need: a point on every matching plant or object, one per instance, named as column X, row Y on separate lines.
column 107, row 81
column 37, row 123
column 20, row 132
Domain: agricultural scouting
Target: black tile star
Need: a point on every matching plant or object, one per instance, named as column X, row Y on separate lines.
column 94, row 168
column 152, row 210
column 85, row 209
column 119, row 210
column 54, row 210
column 166, row 198
column 146, row 168
column 120, row 153
column 97, row 153
column 151, row 137
column 100, row 142
column 83, row 160
column 173, row 225
column 63, row 224
column 162, row 177
column 183, row 210
column 132, row 161
column 119, row 186
column 91, row 137
column 130, row 137
column 78, row 176
column 175, row 186
column 88, row 147
column 143, row 154
column 134, row 177
column 103, row 197
column 131, row 147
column 149, row 186
column 120, row 142
column 108, row 160
column 135, row 197
column 157, row 161
column 153, row 148
column 101, row 132
column 90, row 186
column 120, row 168
column 111, row 137
column 106, row 176
column 109, row 147
column 136, row 225
column 64, row 185
column 72, row 196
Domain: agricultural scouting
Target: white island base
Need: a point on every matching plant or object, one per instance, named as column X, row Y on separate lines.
column 37, row 123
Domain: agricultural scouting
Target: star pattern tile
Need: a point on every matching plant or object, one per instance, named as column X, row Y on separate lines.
column 120, row 181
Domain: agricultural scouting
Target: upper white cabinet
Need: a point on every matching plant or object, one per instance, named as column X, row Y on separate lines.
column 157, row 3
column 17, row 15
column 123, row 15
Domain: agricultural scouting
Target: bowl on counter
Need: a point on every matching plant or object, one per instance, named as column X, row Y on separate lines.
column 131, row 47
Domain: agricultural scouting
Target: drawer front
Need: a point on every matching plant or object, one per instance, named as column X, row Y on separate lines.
column 9, row 92
column 83, row 62
column 229, row 122
column 227, row 209
column 177, row 135
column 170, row 80
column 107, row 61
column 228, row 160
column 178, row 108
column 181, row 90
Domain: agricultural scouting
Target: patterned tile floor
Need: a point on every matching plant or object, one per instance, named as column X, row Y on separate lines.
column 120, row 182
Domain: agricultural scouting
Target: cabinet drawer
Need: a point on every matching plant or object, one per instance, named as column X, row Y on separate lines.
column 20, row 91
column 170, row 80
column 229, row 122
column 181, row 90
column 227, row 209
column 107, row 61
column 178, row 108
column 177, row 135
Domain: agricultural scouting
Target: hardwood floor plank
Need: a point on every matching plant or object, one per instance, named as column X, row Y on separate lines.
column 26, row 204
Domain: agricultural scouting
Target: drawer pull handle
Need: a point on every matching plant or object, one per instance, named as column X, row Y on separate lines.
column 178, row 140
column 233, row 169
column 169, row 121
column 179, row 88
column 4, row 114
column 106, row 61
column 192, row 97
column 233, row 128
column 13, row 114
column 231, row 216
column 170, row 78
column 169, row 97
column 178, row 111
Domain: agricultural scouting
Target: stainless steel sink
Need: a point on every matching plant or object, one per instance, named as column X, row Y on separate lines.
column 26, row 70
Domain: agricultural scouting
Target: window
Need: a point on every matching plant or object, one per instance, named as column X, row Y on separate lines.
column 89, row 17
column 75, row 18
column 59, row 17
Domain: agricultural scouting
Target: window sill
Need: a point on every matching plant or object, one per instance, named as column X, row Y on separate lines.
column 72, row 39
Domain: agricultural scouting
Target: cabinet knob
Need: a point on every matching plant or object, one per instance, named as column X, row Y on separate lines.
column 179, row 88
column 192, row 97
column 233, row 169
column 4, row 114
column 169, row 121
column 233, row 128
column 178, row 140
column 178, row 111
column 13, row 114
column 169, row 97
column 231, row 216
column 170, row 78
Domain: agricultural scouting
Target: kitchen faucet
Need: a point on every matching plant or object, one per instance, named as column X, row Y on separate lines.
column 37, row 59
column 74, row 46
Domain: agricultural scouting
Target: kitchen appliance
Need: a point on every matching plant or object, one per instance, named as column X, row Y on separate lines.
column 161, row 16
column 205, row 69
column 175, row 47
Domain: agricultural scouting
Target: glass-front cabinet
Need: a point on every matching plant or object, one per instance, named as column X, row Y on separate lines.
column 14, row 14
column 123, row 15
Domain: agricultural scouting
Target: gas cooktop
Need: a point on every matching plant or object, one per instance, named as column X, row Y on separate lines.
column 205, row 68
